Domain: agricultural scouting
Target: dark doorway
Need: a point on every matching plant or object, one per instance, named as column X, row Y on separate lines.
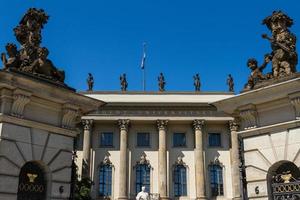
column 32, row 182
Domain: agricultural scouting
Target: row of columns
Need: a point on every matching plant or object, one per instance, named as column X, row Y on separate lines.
column 162, row 156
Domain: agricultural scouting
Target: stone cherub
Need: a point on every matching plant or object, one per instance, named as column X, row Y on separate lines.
column 256, row 71
column 123, row 82
column 230, row 83
column 197, row 82
column 283, row 43
column 90, row 82
column 143, row 195
column 161, row 82
column 13, row 60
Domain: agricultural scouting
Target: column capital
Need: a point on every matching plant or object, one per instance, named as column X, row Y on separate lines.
column 234, row 125
column 161, row 124
column 198, row 124
column 87, row 124
column 124, row 124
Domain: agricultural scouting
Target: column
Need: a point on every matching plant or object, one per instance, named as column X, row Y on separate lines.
column 162, row 159
column 199, row 160
column 123, row 125
column 87, row 129
column 235, row 160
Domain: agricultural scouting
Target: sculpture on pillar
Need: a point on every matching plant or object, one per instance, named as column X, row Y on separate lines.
column 143, row 195
column 230, row 83
column 31, row 58
column 161, row 82
column 90, row 82
column 123, row 82
column 197, row 82
column 256, row 71
column 283, row 56
column 283, row 44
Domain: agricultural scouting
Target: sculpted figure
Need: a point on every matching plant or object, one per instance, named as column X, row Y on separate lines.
column 256, row 71
column 13, row 60
column 143, row 195
column 90, row 82
column 161, row 82
column 230, row 83
column 283, row 43
column 197, row 82
column 123, row 82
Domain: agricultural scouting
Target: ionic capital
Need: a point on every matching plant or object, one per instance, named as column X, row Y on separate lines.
column 198, row 124
column 124, row 124
column 87, row 124
column 162, row 124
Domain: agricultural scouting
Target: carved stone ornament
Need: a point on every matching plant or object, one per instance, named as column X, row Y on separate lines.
column 143, row 160
column 162, row 124
column 161, row 82
column 87, row 124
column 249, row 117
column 216, row 161
column 70, row 114
column 234, row 125
column 296, row 104
column 90, row 82
column 230, row 83
column 31, row 58
column 179, row 161
column 124, row 124
column 123, row 82
column 198, row 124
column 197, row 82
column 20, row 100
column 106, row 160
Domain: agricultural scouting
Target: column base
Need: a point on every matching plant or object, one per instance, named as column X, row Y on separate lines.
column 164, row 198
column 122, row 198
column 201, row 198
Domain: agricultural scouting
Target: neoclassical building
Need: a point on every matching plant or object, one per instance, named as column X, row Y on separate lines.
column 175, row 144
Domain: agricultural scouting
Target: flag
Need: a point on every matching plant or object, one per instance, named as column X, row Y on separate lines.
column 144, row 57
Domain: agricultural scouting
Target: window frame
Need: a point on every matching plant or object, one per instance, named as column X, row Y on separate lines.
column 139, row 182
column 219, row 172
column 220, row 140
column 180, row 189
column 101, row 145
column 181, row 145
column 137, row 140
column 103, row 184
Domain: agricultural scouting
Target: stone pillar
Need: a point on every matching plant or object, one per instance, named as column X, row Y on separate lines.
column 162, row 159
column 87, row 129
column 199, row 159
column 235, row 160
column 123, row 125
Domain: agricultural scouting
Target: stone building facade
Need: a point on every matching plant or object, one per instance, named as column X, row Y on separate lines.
column 136, row 129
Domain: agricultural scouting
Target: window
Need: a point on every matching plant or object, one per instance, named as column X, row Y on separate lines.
column 143, row 139
column 105, row 180
column 106, row 139
column 142, row 177
column 179, row 140
column 180, row 186
column 216, row 180
column 214, row 139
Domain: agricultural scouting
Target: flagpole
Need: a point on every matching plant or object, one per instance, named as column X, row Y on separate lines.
column 143, row 66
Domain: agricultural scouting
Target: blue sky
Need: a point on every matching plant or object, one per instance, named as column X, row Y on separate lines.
column 213, row 38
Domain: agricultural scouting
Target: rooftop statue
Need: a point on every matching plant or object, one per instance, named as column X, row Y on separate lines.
column 31, row 58
column 90, row 82
column 283, row 43
column 230, row 83
column 161, row 82
column 123, row 82
column 197, row 82
column 284, row 57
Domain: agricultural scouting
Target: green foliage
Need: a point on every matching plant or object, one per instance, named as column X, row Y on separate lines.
column 83, row 189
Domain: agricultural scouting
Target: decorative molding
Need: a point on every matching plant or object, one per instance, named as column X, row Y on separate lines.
column 70, row 114
column 198, row 124
column 143, row 160
column 249, row 117
column 296, row 104
column 106, row 161
column 87, row 124
column 124, row 124
column 162, row 124
column 179, row 161
column 216, row 161
column 20, row 100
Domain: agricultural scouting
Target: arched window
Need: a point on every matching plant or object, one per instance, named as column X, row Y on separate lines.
column 179, row 179
column 105, row 178
column 216, row 180
column 142, row 174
